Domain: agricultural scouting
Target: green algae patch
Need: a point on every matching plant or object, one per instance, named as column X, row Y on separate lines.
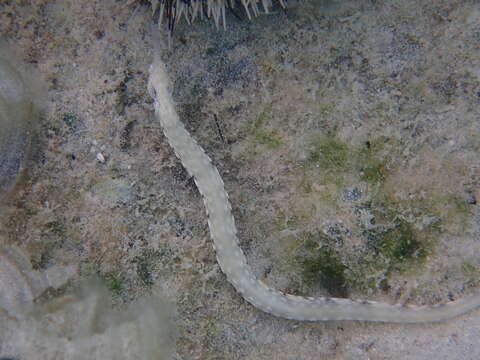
column 471, row 272
column 374, row 174
column 262, row 135
column 392, row 223
column 330, row 154
column 400, row 235
column 391, row 229
column 398, row 244
column 313, row 263
column 115, row 286
column 322, row 266
column 373, row 169
column 270, row 139
column 340, row 162
column 373, row 160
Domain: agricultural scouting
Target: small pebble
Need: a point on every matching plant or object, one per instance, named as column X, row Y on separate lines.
column 100, row 157
column 471, row 199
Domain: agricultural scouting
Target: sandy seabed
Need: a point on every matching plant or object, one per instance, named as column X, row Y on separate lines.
column 391, row 86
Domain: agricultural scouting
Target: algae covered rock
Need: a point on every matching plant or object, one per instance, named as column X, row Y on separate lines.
column 16, row 112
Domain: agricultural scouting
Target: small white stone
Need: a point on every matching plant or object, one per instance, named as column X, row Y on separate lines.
column 100, row 157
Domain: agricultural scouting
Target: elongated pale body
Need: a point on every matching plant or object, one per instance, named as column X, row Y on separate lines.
column 231, row 258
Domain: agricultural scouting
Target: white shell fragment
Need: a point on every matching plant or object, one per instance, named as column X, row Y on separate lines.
column 100, row 157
